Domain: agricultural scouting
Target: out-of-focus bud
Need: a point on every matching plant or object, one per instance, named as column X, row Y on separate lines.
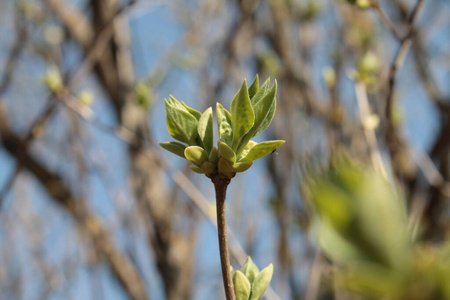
column 363, row 3
column 368, row 64
column 329, row 76
column 52, row 80
column 143, row 95
column 371, row 122
column 53, row 35
column 85, row 98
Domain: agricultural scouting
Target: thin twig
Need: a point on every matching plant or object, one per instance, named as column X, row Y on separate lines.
column 371, row 138
column 386, row 20
column 220, row 186
column 405, row 44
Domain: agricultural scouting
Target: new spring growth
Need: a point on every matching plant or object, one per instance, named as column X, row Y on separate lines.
column 252, row 111
column 250, row 283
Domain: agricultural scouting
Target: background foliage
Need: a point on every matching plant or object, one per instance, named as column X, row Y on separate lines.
column 91, row 207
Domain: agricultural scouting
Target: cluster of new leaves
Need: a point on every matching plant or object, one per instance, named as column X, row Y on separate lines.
column 252, row 111
column 249, row 283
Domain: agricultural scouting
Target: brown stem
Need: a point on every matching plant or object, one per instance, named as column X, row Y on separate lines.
column 220, row 185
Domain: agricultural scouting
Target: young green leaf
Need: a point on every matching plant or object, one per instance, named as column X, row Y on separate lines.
column 174, row 147
column 214, row 155
column 242, row 115
column 224, row 166
column 226, row 152
column 192, row 111
column 253, row 89
column 180, row 123
column 205, row 129
column 224, row 125
column 208, row 167
column 267, row 120
column 242, row 166
column 261, row 92
column 262, row 149
column 241, row 286
column 261, row 109
column 197, row 155
column 196, row 169
column 271, row 113
column 250, row 270
column 246, row 149
column 261, row 283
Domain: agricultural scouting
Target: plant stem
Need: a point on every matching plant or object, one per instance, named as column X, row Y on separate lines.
column 220, row 185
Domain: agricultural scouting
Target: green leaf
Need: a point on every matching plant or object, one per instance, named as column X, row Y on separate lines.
column 224, row 166
column 261, row 283
column 192, row 111
column 214, row 155
column 197, row 155
column 241, row 286
column 262, row 149
column 226, row 152
column 180, row 123
column 205, row 129
column 267, row 120
column 262, row 108
column 253, row 89
column 250, row 270
column 208, row 167
column 269, row 116
column 196, row 169
column 350, row 201
column 224, row 125
column 246, row 149
column 261, row 92
column 174, row 147
column 242, row 115
column 242, row 166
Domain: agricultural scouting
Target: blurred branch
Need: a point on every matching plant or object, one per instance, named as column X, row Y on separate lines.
column 21, row 37
column 405, row 44
column 393, row 139
column 121, row 266
column 369, row 131
column 386, row 20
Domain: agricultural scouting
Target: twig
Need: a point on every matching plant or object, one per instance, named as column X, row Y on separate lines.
column 386, row 21
column 220, row 186
column 405, row 44
column 371, row 138
column 14, row 54
column 315, row 276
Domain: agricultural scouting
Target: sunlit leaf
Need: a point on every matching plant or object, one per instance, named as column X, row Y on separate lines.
column 261, row 283
column 197, row 155
column 192, row 111
column 261, row 92
column 264, row 110
column 226, row 152
column 205, row 129
column 242, row 166
column 249, row 269
column 224, row 125
column 174, row 147
column 253, row 89
column 180, row 123
column 242, row 115
column 241, row 286
column 262, row 149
